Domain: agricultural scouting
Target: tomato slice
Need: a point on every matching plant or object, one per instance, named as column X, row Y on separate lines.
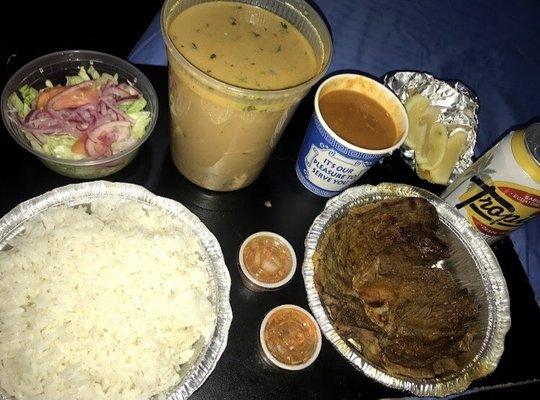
column 97, row 149
column 79, row 146
column 75, row 96
column 47, row 94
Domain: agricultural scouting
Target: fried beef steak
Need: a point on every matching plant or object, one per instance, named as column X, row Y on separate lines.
column 374, row 270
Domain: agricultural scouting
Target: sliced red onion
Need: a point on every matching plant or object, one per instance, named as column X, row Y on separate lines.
column 121, row 114
column 127, row 99
column 126, row 143
column 130, row 89
column 32, row 115
column 66, row 93
column 108, row 127
column 89, row 107
column 97, row 149
column 116, row 92
column 53, row 131
column 113, row 115
column 86, row 116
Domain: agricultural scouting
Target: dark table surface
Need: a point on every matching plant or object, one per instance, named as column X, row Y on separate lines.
column 231, row 217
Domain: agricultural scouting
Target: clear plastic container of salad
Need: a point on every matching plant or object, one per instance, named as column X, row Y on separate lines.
column 84, row 114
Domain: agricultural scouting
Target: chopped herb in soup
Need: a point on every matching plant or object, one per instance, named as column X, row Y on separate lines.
column 243, row 45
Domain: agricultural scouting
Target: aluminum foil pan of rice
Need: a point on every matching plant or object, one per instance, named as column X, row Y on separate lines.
column 109, row 291
column 405, row 289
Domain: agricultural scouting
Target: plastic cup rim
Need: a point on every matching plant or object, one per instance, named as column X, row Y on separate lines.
column 351, row 146
column 323, row 33
column 99, row 57
column 267, row 353
column 257, row 282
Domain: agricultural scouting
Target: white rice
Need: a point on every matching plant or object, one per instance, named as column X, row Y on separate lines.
column 105, row 305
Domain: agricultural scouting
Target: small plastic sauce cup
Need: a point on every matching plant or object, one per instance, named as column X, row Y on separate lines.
column 289, row 338
column 267, row 261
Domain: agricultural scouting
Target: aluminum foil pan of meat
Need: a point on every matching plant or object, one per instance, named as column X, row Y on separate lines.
column 457, row 110
column 410, row 295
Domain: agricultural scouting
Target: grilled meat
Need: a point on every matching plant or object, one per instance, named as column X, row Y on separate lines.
column 374, row 271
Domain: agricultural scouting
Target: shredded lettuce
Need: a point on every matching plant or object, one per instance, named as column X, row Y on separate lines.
column 142, row 119
column 22, row 108
column 83, row 74
column 73, row 80
column 125, row 105
column 33, row 142
column 60, row 146
column 79, row 78
column 28, row 94
column 24, row 100
column 93, row 73
column 105, row 77
column 133, row 106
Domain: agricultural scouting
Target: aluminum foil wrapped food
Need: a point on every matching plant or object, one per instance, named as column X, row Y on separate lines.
column 457, row 103
column 471, row 264
column 196, row 371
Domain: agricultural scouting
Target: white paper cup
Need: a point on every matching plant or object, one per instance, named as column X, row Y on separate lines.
column 327, row 164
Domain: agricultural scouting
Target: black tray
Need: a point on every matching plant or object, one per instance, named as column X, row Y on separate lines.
column 241, row 373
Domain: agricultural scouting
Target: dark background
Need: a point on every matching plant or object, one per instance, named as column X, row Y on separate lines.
column 33, row 28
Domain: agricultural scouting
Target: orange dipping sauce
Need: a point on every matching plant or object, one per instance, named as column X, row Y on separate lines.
column 267, row 259
column 291, row 336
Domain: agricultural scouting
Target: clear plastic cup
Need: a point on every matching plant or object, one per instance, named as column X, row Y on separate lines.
column 223, row 135
column 251, row 282
column 55, row 67
column 267, row 354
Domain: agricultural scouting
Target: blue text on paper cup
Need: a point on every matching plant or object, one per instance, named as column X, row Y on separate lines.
column 325, row 166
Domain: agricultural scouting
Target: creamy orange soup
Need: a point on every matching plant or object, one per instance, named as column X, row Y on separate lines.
column 243, row 45
column 358, row 119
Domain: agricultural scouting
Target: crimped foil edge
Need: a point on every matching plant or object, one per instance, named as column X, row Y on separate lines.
column 83, row 193
column 459, row 109
column 499, row 319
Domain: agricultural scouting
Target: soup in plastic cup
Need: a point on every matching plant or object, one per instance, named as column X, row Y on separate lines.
column 237, row 71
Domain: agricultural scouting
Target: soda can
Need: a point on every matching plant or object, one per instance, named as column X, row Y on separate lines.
column 501, row 191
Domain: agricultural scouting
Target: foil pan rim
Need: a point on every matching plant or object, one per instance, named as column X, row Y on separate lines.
column 492, row 348
column 81, row 193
